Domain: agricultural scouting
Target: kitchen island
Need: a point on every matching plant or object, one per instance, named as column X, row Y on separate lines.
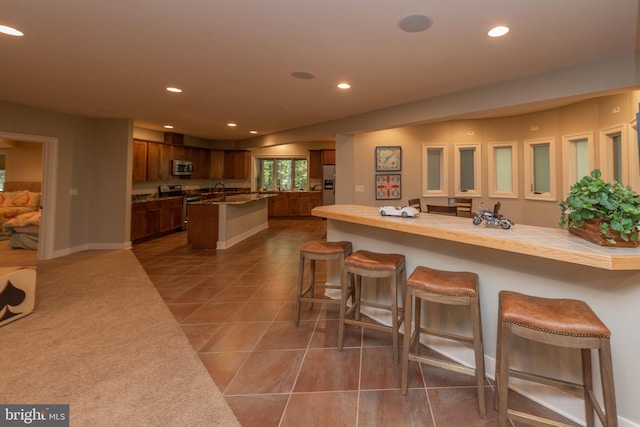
column 222, row 222
column 538, row 261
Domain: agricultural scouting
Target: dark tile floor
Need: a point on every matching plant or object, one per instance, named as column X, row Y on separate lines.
column 236, row 306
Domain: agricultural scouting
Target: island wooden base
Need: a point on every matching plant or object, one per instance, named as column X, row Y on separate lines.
column 202, row 228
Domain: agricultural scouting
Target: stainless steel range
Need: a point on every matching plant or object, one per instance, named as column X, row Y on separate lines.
column 176, row 190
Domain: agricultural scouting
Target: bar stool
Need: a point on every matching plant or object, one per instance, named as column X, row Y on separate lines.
column 318, row 250
column 372, row 265
column 449, row 288
column 560, row 322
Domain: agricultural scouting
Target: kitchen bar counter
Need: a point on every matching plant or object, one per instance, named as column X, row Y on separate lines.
column 538, row 261
column 550, row 243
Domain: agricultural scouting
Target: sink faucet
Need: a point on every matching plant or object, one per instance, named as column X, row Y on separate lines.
column 215, row 187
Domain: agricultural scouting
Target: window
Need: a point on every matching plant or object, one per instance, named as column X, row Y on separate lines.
column 434, row 170
column 467, row 169
column 503, row 169
column 634, row 156
column 540, row 171
column 2, row 171
column 282, row 174
column 578, row 157
column 613, row 149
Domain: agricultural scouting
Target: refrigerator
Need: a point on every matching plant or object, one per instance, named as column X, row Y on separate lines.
column 328, row 184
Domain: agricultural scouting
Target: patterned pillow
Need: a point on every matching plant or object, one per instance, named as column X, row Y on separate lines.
column 20, row 198
column 25, row 219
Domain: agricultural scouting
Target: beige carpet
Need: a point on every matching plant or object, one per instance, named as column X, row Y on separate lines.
column 102, row 340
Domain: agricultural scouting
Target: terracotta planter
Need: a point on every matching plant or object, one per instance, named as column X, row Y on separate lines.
column 590, row 231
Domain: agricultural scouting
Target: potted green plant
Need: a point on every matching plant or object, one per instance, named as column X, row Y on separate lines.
column 605, row 213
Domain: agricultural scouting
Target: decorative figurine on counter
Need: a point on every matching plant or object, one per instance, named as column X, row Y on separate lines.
column 403, row 211
column 492, row 217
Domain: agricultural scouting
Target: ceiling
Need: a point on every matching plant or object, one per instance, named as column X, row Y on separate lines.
column 234, row 58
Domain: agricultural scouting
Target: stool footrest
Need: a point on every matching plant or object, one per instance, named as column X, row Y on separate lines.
column 534, row 420
column 451, row 366
column 367, row 324
column 448, row 335
column 577, row 389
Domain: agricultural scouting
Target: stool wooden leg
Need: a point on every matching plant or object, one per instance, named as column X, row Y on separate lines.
column 394, row 318
column 503, row 382
column 406, row 341
column 496, row 375
column 587, row 380
column 414, row 339
column 312, row 281
column 299, row 291
column 478, row 349
column 606, row 373
column 344, row 284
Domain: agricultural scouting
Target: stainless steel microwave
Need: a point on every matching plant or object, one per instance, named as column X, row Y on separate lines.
column 182, row 167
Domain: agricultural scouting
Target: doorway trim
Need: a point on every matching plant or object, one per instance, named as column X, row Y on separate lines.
column 48, row 197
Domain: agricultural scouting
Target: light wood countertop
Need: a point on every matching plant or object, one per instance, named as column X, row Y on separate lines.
column 550, row 243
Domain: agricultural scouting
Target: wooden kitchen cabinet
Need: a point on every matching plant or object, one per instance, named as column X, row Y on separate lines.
column 201, row 163
column 170, row 214
column 309, row 201
column 236, row 164
column 278, row 205
column 294, row 203
column 158, row 161
column 315, row 164
column 328, row 157
column 216, row 161
column 139, row 161
column 145, row 220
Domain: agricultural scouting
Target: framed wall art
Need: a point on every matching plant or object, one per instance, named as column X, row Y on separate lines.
column 388, row 187
column 388, row 159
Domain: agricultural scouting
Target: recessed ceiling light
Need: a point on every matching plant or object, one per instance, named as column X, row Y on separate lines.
column 168, row 126
column 414, row 23
column 344, row 85
column 303, row 75
column 174, row 89
column 253, row 131
column 10, row 31
column 232, row 125
column 498, row 31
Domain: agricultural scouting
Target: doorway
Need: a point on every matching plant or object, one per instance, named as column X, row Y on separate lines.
column 48, row 188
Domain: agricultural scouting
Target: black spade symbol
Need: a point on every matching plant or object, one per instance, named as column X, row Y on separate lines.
column 11, row 296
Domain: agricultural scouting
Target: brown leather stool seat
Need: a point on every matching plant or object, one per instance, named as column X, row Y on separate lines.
column 318, row 250
column 560, row 322
column 369, row 264
column 448, row 288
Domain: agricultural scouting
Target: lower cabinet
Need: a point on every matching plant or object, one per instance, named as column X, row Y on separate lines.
column 145, row 220
column 170, row 215
column 294, row 203
column 153, row 218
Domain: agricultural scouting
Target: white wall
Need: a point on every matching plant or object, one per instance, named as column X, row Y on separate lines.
column 78, row 164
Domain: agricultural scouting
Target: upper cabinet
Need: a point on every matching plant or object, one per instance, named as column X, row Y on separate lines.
column 318, row 158
column 158, row 161
column 139, row 161
column 201, row 163
column 328, row 157
column 152, row 161
column 236, row 164
column 216, row 161
column 315, row 164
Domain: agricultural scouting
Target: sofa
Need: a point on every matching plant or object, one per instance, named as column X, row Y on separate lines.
column 16, row 203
